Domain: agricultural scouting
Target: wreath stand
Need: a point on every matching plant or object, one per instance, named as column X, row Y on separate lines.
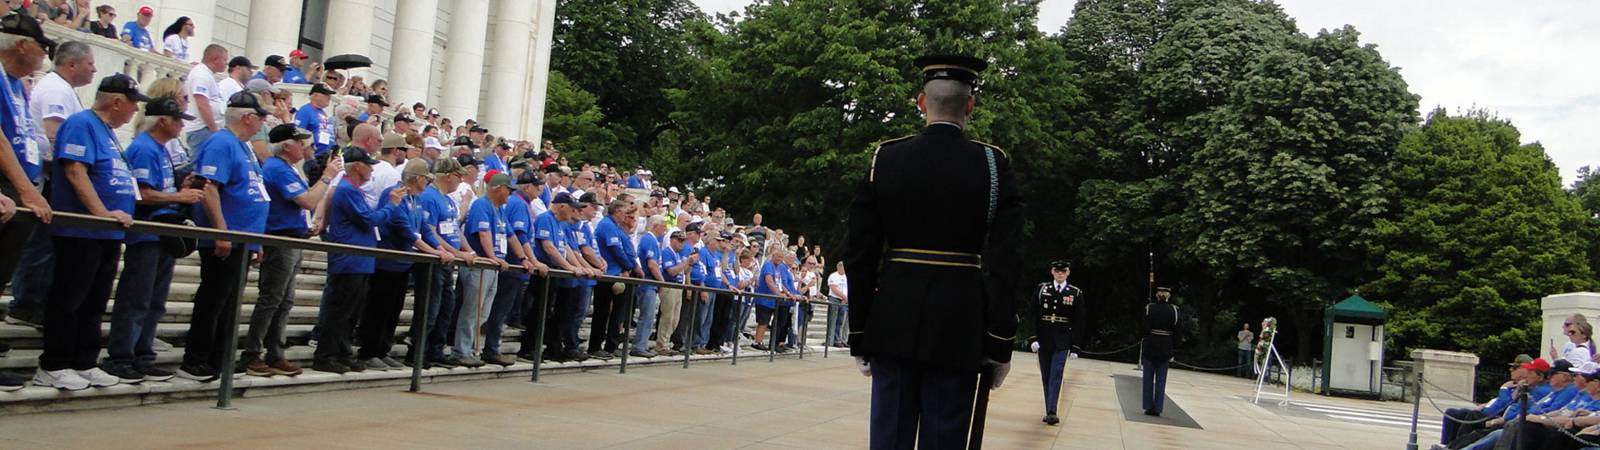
column 1262, row 389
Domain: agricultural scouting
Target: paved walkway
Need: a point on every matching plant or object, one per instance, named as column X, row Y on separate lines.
column 811, row 403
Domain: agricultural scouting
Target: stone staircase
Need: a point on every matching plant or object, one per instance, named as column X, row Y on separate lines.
column 26, row 343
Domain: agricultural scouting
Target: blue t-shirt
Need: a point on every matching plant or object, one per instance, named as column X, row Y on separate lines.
column 151, row 167
column 284, row 185
column 615, row 247
column 649, row 249
column 352, row 222
column 137, row 35
column 713, row 263
column 86, row 139
column 1555, row 401
column 547, row 229
column 293, row 75
column 17, row 124
column 482, row 216
column 493, row 162
column 440, row 213
column 228, row 162
column 669, row 259
column 520, row 224
column 635, row 183
column 697, row 271
column 313, row 119
column 585, row 238
column 401, row 231
column 768, row 269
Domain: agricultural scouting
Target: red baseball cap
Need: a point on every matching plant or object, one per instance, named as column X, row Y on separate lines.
column 146, row 11
column 490, row 174
column 296, row 53
column 1539, row 365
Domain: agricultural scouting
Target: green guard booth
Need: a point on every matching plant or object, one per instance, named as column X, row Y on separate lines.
column 1352, row 349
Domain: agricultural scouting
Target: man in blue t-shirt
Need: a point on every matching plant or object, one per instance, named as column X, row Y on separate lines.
column 288, row 215
column 146, row 265
column 513, row 283
column 769, row 313
column 350, row 221
column 135, row 33
column 651, row 267
column 552, row 246
column 616, row 249
column 487, row 233
column 236, row 200
column 708, row 318
column 21, row 160
column 92, row 178
column 317, row 117
column 440, row 218
column 405, row 232
column 581, row 238
column 674, row 268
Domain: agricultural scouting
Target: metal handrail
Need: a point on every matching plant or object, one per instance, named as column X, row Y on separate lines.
column 225, row 389
column 166, row 229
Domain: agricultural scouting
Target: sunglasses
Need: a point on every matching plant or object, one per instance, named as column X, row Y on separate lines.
column 1571, row 332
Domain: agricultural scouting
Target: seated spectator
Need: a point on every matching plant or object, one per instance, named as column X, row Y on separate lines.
column 1560, row 392
column 104, row 25
column 1545, row 431
column 136, row 32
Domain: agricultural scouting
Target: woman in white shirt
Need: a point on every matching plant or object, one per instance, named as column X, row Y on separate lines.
column 175, row 40
column 1579, row 348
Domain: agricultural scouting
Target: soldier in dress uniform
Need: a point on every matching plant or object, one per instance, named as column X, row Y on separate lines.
column 1161, row 324
column 1057, row 311
column 932, row 253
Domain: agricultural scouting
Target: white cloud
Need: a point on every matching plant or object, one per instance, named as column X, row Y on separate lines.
column 1533, row 64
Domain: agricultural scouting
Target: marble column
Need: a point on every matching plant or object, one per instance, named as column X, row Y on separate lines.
column 413, row 36
column 508, row 88
column 274, row 29
column 539, row 74
column 349, row 28
column 463, row 73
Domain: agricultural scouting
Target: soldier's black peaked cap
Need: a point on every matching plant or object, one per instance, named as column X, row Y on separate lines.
column 1060, row 265
column 961, row 68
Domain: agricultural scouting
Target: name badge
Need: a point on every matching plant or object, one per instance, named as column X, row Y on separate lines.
column 31, row 151
column 447, row 228
column 499, row 243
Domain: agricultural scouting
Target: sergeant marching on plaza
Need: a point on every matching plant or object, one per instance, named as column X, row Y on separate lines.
column 1161, row 324
column 932, row 252
column 1057, row 311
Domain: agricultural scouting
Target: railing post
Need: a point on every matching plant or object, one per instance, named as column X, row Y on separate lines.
column 627, row 326
column 805, row 325
column 419, row 335
column 1416, row 408
column 229, row 355
column 827, row 340
column 738, row 327
column 538, row 328
column 772, row 346
column 688, row 332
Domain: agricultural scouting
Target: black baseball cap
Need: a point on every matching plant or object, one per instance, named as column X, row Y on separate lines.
column 26, row 26
column 356, row 155
column 464, row 141
column 277, row 62
column 122, row 84
column 286, row 132
column 477, row 129
column 165, row 107
column 403, row 118
column 248, row 101
column 375, row 98
column 588, row 198
column 320, row 88
column 563, row 198
column 529, row 177
column 692, row 228
column 241, row 61
column 467, row 160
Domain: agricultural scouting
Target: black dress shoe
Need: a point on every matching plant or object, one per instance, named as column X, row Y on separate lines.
column 1050, row 419
column 1152, row 413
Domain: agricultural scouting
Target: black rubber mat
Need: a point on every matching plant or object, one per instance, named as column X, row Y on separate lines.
column 1130, row 398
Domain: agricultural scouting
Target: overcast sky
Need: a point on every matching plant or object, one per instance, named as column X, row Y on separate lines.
column 1535, row 64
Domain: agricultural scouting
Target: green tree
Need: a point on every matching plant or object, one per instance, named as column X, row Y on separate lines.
column 626, row 53
column 1481, row 231
column 573, row 119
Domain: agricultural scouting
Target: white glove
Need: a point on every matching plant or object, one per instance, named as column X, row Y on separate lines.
column 1034, row 346
column 1000, row 371
column 863, row 366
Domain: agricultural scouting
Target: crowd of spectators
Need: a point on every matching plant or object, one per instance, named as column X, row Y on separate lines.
column 1545, row 405
column 236, row 155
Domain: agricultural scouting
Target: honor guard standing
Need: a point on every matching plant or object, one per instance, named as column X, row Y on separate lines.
column 932, row 253
column 1057, row 311
column 1161, row 324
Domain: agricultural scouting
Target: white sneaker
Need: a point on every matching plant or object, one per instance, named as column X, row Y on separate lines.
column 60, row 379
column 160, row 345
column 98, row 378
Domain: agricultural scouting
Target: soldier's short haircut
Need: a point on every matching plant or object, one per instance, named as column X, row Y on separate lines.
column 946, row 97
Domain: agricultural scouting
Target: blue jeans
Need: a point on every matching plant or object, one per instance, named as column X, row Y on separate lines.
column 703, row 317
column 505, row 298
column 441, row 310
column 837, row 327
column 141, row 301
column 648, row 300
column 36, row 267
column 1487, row 442
column 582, row 297
column 471, row 314
column 1154, row 382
